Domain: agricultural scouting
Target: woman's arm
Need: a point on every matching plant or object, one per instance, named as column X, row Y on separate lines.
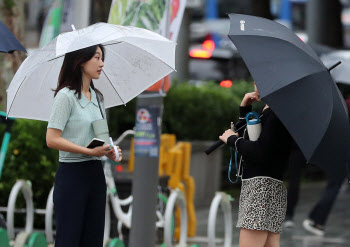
column 56, row 141
column 271, row 140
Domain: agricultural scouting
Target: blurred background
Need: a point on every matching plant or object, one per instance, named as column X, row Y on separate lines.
column 205, row 92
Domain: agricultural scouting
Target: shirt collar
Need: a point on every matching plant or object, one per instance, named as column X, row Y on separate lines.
column 83, row 101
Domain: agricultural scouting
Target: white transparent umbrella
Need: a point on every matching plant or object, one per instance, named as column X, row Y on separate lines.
column 135, row 59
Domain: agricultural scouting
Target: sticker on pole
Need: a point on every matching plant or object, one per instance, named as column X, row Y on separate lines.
column 146, row 132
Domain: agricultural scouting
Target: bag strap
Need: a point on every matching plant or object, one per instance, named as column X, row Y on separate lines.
column 99, row 105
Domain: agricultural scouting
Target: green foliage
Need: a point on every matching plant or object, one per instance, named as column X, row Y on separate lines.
column 9, row 4
column 191, row 112
column 28, row 158
column 202, row 112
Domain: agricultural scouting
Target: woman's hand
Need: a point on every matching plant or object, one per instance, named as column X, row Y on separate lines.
column 101, row 151
column 113, row 157
column 249, row 98
column 227, row 134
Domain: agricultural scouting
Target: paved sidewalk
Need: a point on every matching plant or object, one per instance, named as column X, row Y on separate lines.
column 337, row 229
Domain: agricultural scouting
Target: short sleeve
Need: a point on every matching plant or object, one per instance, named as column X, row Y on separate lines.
column 61, row 110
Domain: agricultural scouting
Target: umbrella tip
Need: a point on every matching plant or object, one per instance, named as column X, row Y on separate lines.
column 73, row 27
column 333, row 66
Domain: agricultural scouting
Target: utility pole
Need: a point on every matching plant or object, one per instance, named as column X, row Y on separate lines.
column 145, row 176
column 183, row 46
column 82, row 11
column 323, row 22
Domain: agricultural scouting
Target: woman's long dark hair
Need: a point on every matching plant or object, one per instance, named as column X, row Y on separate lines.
column 71, row 75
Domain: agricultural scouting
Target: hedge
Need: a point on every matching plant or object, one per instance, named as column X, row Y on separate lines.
column 191, row 112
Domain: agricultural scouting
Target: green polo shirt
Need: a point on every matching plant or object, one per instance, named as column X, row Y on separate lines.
column 74, row 118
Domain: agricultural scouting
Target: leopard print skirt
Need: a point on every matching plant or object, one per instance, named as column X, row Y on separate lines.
column 262, row 204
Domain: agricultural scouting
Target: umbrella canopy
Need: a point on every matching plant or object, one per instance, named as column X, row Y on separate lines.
column 8, row 42
column 135, row 59
column 297, row 86
column 341, row 74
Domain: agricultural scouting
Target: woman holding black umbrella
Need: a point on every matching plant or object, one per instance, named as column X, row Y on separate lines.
column 263, row 199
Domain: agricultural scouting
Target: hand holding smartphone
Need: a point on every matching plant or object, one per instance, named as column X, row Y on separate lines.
column 95, row 142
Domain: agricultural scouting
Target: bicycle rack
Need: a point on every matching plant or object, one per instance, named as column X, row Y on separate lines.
column 223, row 200
column 125, row 218
column 176, row 198
column 24, row 187
column 48, row 218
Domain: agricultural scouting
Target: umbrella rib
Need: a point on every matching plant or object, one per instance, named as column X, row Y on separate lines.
column 41, row 83
column 120, row 57
column 15, row 95
column 113, row 85
column 144, row 51
column 55, row 58
column 104, row 45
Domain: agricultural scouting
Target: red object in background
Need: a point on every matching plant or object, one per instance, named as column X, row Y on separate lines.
column 158, row 85
column 208, row 45
column 175, row 4
column 226, row 83
column 119, row 168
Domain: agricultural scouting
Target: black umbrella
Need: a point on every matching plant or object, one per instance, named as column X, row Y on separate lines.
column 297, row 86
column 8, row 42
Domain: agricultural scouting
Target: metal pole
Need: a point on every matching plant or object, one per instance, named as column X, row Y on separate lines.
column 182, row 58
column 145, row 177
column 315, row 13
column 82, row 13
column 323, row 22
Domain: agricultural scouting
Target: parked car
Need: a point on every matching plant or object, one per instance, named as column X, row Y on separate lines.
column 212, row 54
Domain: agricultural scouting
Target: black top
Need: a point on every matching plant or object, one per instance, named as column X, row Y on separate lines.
column 268, row 155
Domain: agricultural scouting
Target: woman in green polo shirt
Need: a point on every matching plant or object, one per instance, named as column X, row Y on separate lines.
column 80, row 187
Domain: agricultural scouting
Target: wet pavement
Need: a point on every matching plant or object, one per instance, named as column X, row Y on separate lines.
column 337, row 232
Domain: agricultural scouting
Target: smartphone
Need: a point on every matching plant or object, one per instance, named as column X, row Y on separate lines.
column 95, row 143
